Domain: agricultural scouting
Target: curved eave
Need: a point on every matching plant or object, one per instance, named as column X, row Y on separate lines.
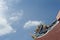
column 53, row 34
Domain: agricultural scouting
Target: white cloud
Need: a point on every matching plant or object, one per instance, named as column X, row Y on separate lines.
column 8, row 13
column 16, row 16
column 5, row 28
column 3, row 7
column 32, row 23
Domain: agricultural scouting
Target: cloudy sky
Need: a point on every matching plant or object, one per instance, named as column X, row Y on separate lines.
column 18, row 18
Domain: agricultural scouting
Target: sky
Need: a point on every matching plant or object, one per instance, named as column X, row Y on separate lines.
column 19, row 18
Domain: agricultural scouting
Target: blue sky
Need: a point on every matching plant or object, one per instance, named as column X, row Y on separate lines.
column 15, row 14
